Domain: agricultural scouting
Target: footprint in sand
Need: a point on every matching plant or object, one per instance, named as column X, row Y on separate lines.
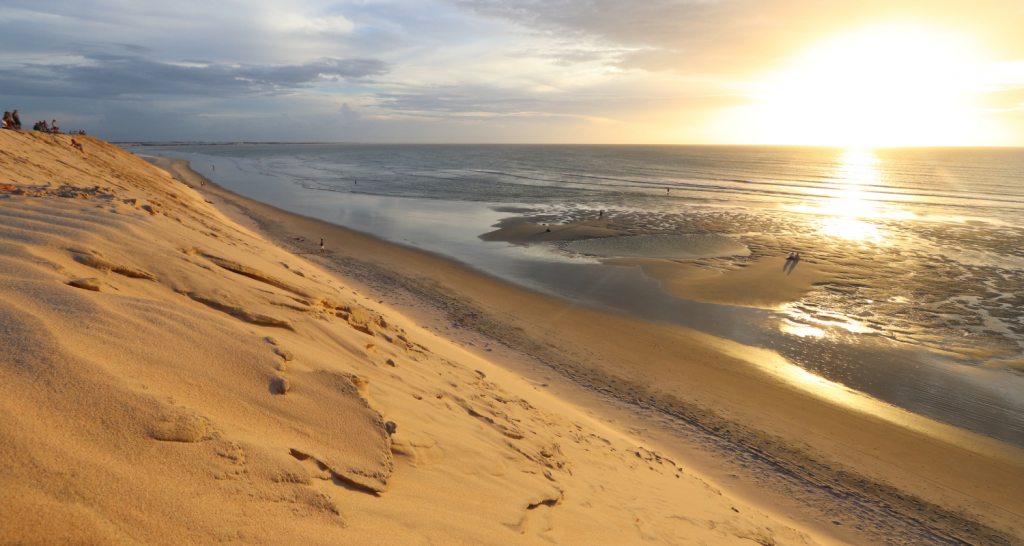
column 86, row 284
column 181, row 426
column 280, row 385
column 362, row 384
column 286, row 354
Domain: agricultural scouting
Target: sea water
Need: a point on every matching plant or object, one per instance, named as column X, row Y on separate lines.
column 927, row 314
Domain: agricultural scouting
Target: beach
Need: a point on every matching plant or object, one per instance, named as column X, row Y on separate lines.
column 907, row 289
column 184, row 365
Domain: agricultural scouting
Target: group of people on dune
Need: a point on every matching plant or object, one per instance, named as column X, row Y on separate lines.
column 13, row 122
column 52, row 128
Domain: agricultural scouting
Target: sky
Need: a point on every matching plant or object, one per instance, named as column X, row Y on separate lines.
column 818, row 72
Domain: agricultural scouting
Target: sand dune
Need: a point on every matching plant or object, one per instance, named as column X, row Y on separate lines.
column 170, row 377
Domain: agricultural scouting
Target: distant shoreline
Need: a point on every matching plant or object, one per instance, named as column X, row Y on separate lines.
column 690, row 145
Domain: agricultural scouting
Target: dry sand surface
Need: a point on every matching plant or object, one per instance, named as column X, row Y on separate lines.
column 171, row 377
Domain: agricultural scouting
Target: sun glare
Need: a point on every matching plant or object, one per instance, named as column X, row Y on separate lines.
column 849, row 199
column 886, row 86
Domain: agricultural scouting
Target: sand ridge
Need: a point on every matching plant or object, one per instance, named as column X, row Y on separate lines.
column 169, row 377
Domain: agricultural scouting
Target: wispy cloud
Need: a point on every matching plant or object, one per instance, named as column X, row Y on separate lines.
column 109, row 76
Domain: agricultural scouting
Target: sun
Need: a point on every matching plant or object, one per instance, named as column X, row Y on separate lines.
column 893, row 85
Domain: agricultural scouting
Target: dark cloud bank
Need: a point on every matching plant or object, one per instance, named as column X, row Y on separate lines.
column 107, row 76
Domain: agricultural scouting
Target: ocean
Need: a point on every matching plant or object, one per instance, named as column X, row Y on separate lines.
column 926, row 311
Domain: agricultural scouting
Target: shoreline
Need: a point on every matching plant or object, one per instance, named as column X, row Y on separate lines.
column 497, row 310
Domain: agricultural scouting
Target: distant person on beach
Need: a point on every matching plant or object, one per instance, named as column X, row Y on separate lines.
column 76, row 145
column 8, row 122
column 668, row 191
column 600, row 215
column 54, row 129
column 793, row 256
column 202, row 182
column 16, row 119
column 215, row 168
column 321, row 245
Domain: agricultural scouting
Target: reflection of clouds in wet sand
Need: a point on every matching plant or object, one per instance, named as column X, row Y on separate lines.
column 660, row 245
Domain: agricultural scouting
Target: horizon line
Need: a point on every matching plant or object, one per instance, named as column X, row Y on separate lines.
column 245, row 142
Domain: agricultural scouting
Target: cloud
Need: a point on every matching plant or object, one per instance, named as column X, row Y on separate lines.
column 673, row 25
column 455, row 103
column 571, row 56
column 328, row 24
column 109, row 76
column 493, row 102
column 348, row 114
column 720, row 36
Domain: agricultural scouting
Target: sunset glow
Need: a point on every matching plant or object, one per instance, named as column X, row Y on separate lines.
column 865, row 74
column 885, row 86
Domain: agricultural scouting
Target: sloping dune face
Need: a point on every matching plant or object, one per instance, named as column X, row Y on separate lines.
column 135, row 367
column 169, row 377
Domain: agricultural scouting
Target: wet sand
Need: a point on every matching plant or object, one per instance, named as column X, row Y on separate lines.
column 815, row 449
column 894, row 321
column 770, row 282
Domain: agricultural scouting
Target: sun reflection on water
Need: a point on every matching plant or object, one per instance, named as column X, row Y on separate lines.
column 850, row 198
column 801, row 330
column 849, row 228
